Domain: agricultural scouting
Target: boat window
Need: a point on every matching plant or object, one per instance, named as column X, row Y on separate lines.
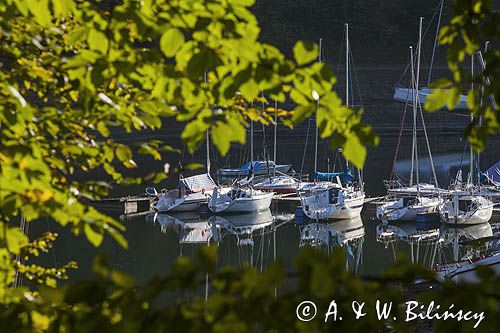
column 333, row 195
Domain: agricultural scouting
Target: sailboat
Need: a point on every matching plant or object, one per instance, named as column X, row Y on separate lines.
column 403, row 94
column 191, row 193
column 276, row 181
column 342, row 199
column 404, row 203
column 467, row 206
column 241, row 197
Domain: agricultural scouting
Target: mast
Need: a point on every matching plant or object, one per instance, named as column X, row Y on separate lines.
column 347, row 64
column 435, row 41
column 414, row 134
column 317, row 132
column 208, row 136
column 208, row 151
column 471, row 162
column 275, row 130
column 251, row 144
column 347, row 71
column 417, row 98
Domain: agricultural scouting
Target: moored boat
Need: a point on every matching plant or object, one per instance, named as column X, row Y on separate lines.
column 190, row 195
column 238, row 200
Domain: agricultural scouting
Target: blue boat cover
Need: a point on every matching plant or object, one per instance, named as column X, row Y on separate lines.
column 257, row 165
column 346, row 176
column 493, row 174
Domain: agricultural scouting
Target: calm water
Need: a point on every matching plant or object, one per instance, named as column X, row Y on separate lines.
column 154, row 243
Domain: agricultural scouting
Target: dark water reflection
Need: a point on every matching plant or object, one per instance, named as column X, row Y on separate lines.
column 156, row 240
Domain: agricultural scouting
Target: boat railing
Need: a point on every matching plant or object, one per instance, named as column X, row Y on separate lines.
column 393, row 184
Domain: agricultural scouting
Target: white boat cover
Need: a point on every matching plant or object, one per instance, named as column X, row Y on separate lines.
column 198, row 183
column 493, row 174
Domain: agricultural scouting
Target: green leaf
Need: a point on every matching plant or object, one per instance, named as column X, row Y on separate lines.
column 15, row 240
column 305, row 52
column 471, row 100
column 40, row 11
column 103, row 129
column 453, row 98
column 207, row 256
column 224, row 133
column 171, row 41
column 302, row 112
column 93, row 236
column 121, row 279
column 97, row 41
column 249, row 89
column 123, row 153
column 355, row 151
column 436, row 100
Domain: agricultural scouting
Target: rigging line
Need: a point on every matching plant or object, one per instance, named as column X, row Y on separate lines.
column 423, row 36
column 340, row 56
column 356, row 80
column 305, row 145
column 427, row 142
column 403, row 118
column 52, row 249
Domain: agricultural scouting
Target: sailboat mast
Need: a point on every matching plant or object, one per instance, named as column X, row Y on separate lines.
column 417, row 97
column 347, row 70
column 435, row 41
column 317, row 131
column 251, row 143
column 414, row 133
column 208, row 136
column 208, row 151
column 471, row 172
column 275, row 128
column 347, row 64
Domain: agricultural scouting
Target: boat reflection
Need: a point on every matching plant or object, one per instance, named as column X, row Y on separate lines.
column 191, row 227
column 438, row 246
column 242, row 239
column 348, row 234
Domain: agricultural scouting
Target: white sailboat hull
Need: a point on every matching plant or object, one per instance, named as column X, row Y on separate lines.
column 351, row 208
column 320, row 204
column 466, row 272
column 397, row 211
column 477, row 210
column 403, row 94
column 255, row 201
column 184, row 203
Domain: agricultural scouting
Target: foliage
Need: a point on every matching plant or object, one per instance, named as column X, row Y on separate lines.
column 475, row 22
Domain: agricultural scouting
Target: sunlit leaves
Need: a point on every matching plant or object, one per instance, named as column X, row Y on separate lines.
column 97, row 41
column 171, row 41
column 14, row 238
column 305, row 53
column 436, row 100
column 355, row 151
column 224, row 133
column 93, row 236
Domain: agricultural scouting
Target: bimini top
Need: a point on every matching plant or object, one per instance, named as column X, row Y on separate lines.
column 493, row 174
column 257, row 167
column 346, row 176
column 198, row 183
